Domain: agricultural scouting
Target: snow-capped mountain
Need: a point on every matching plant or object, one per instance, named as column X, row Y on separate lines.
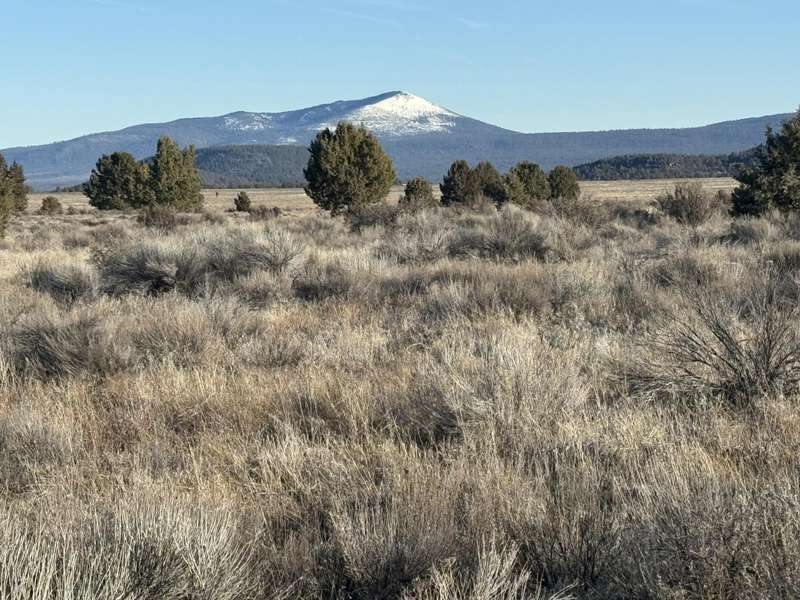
column 394, row 114
column 421, row 137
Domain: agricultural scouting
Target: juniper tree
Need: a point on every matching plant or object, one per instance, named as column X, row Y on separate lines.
column 347, row 169
column 534, row 182
column 563, row 184
column 458, row 186
column 242, row 202
column 118, row 181
column 6, row 201
column 18, row 189
column 174, row 179
column 489, row 183
column 775, row 180
column 418, row 194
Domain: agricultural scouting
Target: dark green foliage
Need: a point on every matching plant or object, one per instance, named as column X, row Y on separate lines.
column 117, row 182
column 242, row 202
column 666, row 166
column 6, row 199
column 533, row 187
column 563, row 184
column 5, row 209
column 13, row 193
column 347, row 169
column 489, row 183
column 774, row 182
column 418, row 194
column 173, row 177
column 19, row 192
column 51, row 206
column 458, row 186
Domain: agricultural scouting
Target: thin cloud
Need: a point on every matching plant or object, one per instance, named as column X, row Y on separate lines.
column 396, row 4
column 471, row 23
column 365, row 17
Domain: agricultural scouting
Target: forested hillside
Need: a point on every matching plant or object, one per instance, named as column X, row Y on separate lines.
column 665, row 166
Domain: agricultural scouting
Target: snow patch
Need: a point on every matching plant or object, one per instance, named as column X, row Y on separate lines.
column 400, row 114
column 248, row 122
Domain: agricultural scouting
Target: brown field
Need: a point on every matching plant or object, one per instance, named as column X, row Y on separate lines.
column 596, row 401
column 295, row 200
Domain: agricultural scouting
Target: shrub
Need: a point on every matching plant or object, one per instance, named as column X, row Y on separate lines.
column 146, row 269
column 563, row 183
column 380, row 213
column 65, row 283
column 511, row 234
column 51, row 206
column 347, row 169
column 242, row 202
column 418, row 238
column 158, row 216
column 320, row 281
column 740, row 351
column 688, row 203
column 418, row 195
column 265, row 213
column 66, row 345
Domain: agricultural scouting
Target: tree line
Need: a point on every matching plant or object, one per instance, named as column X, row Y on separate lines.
column 348, row 169
column 666, row 166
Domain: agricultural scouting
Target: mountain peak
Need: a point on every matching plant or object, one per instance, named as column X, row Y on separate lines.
column 397, row 113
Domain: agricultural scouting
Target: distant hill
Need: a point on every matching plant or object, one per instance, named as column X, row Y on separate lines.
column 421, row 137
column 252, row 166
column 665, row 166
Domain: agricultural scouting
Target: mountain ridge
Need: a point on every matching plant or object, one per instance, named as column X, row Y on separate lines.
column 421, row 137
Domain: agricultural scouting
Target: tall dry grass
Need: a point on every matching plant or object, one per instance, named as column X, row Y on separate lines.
column 594, row 403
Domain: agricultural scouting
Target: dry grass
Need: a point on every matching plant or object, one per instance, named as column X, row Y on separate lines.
column 596, row 403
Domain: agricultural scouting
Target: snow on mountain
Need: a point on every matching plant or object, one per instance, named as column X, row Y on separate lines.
column 399, row 115
column 392, row 114
column 420, row 137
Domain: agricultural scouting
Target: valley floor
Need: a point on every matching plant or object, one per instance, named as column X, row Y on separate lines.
column 595, row 402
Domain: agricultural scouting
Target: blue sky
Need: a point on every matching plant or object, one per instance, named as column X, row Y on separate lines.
column 77, row 66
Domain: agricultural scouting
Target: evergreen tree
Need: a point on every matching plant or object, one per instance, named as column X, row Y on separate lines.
column 242, row 202
column 775, row 180
column 458, row 186
column 174, row 179
column 118, row 181
column 515, row 190
column 489, row 183
column 18, row 189
column 564, row 184
column 6, row 199
column 347, row 169
column 418, row 194
column 534, row 183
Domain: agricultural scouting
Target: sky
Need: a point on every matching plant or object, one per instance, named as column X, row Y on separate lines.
column 72, row 67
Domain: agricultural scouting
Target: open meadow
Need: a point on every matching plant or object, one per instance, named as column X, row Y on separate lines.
column 597, row 400
column 294, row 200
